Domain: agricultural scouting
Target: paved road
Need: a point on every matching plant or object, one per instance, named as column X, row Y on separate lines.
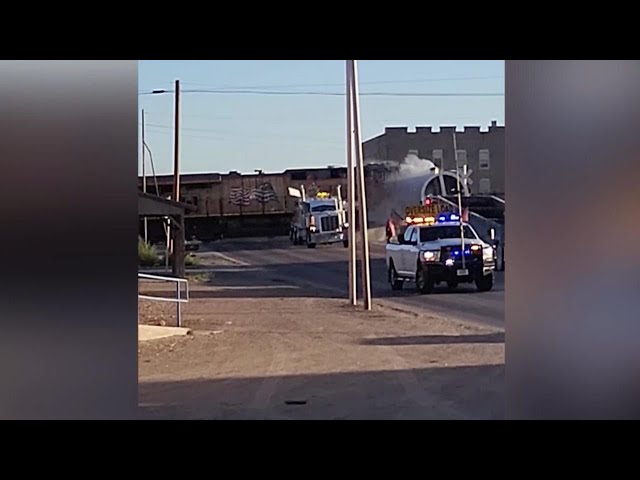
column 326, row 266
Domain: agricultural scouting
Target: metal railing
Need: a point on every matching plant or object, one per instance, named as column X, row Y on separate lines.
column 455, row 206
column 178, row 300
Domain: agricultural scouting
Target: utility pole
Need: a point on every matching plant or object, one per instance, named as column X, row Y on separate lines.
column 351, row 195
column 455, row 151
column 178, row 230
column 144, row 179
column 366, row 268
column 176, row 145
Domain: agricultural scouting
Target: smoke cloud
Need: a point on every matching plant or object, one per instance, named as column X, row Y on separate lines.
column 402, row 187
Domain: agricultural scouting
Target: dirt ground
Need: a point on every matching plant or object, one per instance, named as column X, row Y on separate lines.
column 263, row 349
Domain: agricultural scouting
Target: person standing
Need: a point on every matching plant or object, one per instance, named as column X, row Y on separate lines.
column 390, row 229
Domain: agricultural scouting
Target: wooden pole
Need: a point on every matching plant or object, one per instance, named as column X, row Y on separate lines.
column 178, row 229
column 144, row 180
column 455, row 152
column 364, row 223
column 351, row 194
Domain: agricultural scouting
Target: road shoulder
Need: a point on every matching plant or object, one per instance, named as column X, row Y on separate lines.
column 286, row 352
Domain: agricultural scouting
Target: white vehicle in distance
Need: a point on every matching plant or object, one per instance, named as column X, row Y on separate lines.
column 433, row 253
column 318, row 220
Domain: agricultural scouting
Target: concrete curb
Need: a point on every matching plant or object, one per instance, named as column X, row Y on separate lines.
column 154, row 332
column 226, row 258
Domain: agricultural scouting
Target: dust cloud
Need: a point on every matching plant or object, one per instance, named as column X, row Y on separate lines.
column 402, row 187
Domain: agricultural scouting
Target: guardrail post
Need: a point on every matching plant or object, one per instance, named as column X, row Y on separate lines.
column 179, row 309
column 178, row 300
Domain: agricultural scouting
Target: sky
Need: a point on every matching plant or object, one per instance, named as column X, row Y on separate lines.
column 240, row 127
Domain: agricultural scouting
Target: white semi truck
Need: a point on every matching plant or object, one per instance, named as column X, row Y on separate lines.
column 318, row 220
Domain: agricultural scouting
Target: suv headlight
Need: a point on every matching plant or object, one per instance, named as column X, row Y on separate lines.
column 431, row 255
column 488, row 252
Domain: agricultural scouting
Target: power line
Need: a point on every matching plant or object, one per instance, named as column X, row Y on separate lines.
column 381, row 82
column 327, row 94
column 225, row 132
column 223, row 136
column 206, row 130
column 229, row 132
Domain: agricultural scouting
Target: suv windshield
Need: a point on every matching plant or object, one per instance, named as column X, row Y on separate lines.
column 431, row 234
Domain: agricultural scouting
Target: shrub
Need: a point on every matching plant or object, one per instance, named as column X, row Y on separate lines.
column 147, row 254
column 190, row 261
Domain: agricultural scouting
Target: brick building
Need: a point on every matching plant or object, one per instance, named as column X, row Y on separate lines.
column 482, row 151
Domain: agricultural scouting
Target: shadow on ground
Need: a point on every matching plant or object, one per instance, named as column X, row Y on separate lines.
column 276, row 291
column 429, row 393
column 246, row 244
column 289, row 279
column 240, row 284
column 437, row 340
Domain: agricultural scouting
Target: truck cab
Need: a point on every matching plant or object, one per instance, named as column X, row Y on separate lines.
column 445, row 250
column 319, row 220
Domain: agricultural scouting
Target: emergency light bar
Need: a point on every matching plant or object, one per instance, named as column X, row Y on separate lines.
column 423, row 214
column 448, row 217
column 420, row 220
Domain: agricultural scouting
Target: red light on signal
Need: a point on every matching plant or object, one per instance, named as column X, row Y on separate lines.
column 427, row 201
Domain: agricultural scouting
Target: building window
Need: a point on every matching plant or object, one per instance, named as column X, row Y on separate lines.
column 484, row 185
column 437, row 158
column 485, row 160
column 462, row 157
column 194, row 201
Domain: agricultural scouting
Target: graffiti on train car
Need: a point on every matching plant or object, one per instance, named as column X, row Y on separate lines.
column 233, row 194
column 263, row 194
column 240, row 196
